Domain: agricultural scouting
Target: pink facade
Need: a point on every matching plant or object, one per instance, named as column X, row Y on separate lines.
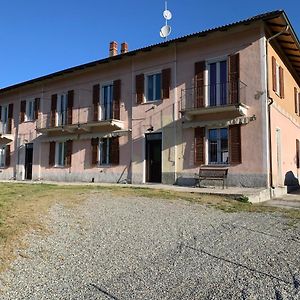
column 155, row 115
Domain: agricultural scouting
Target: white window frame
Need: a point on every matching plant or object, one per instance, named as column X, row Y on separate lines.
column 101, row 107
column 108, row 147
column 29, row 115
column 146, row 96
column 2, row 156
column 217, row 61
column 4, row 118
column 59, row 163
column 277, row 69
column 61, row 115
column 218, row 145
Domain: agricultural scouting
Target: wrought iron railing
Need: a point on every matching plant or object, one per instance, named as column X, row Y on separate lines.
column 212, row 95
column 80, row 115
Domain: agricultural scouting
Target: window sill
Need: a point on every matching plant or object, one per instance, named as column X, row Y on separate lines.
column 104, row 166
column 61, row 167
column 152, row 102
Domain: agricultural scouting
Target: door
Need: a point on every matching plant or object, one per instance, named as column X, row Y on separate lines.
column 153, row 157
column 28, row 161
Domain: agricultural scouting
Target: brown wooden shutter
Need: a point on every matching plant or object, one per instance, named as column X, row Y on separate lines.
column 298, row 154
column 274, row 81
column 52, row 154
column 114, row 151
column 22, row 110
column 298, row 104
column 36, row 107
column 199, row 146
column 281, row 82
column 235, row 148
column 166, row 83
column 1, row 113
column 234, row 78
column 199, row 84
column 116, row 99
column 95, row 145
column 7, row 156
column 68, row 158
column 139, row 86
column 53, row 110
column 96, row 99
column 296, row 100
column 10, row 117
column 70, row 106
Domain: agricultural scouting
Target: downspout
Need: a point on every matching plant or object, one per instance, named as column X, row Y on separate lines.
column 271, row 101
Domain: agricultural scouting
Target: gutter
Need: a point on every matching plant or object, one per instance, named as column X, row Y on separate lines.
column 271, row 101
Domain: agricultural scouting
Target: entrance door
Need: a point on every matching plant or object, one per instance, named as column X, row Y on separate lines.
column 28, row 161
column 153, row 157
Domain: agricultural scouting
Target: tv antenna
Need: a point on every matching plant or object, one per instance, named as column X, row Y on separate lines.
column 165, row 31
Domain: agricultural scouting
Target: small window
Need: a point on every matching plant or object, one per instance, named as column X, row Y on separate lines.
column 218, row 146
column 2, row 156
column 62, row 106
column 60, row 154
column 153, row 85
column 29, row 115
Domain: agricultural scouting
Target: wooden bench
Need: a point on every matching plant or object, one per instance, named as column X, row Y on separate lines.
column 211, row 173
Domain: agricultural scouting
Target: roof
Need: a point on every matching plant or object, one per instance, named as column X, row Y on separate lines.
column 276, row 20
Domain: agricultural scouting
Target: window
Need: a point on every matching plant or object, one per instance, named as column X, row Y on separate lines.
column 62, row 107
column 29, row 115
column 105, row 151
column 277, row 79
column 217, row 83
column 106, row 105
column 2, row 156
column 153, row 87
column 218, row 146
column 4, row 119
column 60, row 154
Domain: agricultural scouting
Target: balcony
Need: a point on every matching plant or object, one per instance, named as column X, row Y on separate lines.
column 79, row 120
column 5, row 137
column 214, row 101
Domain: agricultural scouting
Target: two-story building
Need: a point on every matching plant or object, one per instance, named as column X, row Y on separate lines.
column 226, row 96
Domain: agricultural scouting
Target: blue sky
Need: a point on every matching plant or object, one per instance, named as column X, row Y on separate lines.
column 38, row 37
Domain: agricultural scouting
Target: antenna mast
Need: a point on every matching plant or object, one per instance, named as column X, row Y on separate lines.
column 165, row 31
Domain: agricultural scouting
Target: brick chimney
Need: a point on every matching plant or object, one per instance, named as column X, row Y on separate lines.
column 124, row 48
column 113, row 49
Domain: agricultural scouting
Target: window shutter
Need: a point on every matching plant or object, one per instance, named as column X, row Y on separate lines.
column 281, row 82
column 68, row 159
column 296, row 100
column 298, row 154
column 199, row 146
column 53, row 109
column 95, row 144
column 22, row 111
column 199, row 84
column 70, row 106
column 235, row 144
column 96, row 98
column 139, row 86
column 298, row 104
column 7, row 156
column 52, row 154
column 114, row 151
column 0, row 113
column 36, row 108
column 116, row 99
column 166, row 83
column 10, row 116
column 274, row 74
column 234, row 78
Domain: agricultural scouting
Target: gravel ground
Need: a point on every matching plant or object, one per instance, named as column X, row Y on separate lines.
column 138, row 248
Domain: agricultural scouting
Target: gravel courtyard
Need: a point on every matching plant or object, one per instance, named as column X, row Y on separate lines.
column 140, row 248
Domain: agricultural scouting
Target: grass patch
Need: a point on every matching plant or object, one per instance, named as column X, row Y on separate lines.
column 21, row 206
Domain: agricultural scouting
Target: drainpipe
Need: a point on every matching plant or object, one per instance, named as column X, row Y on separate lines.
column 270, row 103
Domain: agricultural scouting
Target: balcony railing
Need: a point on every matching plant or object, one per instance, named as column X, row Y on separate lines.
column 69, row 118
column 213, row 95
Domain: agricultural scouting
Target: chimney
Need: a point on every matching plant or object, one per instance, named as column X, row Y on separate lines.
column 124, row 48
column 113, row 49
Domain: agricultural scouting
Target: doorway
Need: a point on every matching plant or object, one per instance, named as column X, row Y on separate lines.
column 28, row 161
column 153, row 157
